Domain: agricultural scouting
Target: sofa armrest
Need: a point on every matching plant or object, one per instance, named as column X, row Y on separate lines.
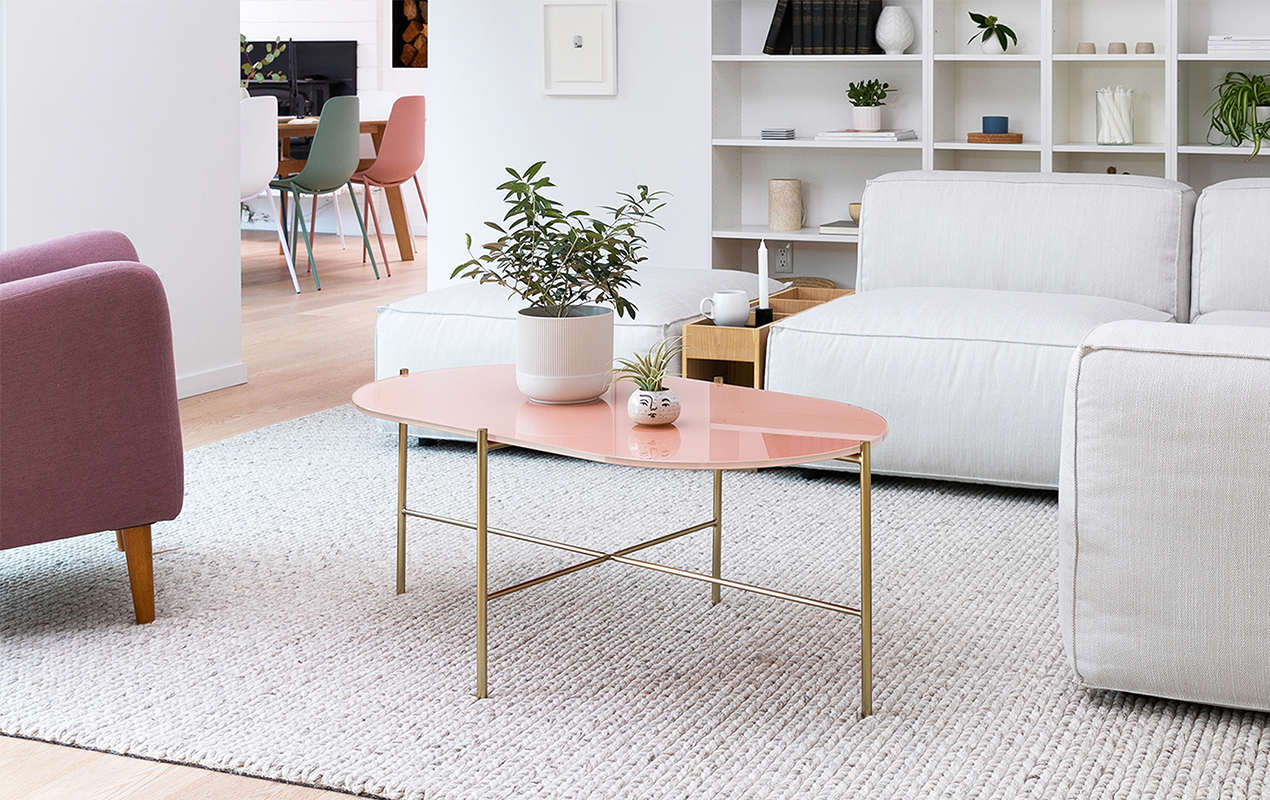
column 90, row 432
column 1164, row 519
column 76, row 250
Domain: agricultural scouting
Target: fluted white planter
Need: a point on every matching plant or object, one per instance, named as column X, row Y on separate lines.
column 894, row 32
column 866, row 118
column 564, row 359
column 991, row 46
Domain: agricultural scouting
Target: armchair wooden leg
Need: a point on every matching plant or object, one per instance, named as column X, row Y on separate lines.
column 119, row 541
column 137, row 549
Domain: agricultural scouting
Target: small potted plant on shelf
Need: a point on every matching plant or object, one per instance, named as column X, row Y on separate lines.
column 562, row 264
column 866, row 104
column 993, row 38
column 651, row 403
column 1242, row 110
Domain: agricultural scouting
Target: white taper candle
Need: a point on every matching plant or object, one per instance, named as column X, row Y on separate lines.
column 763, row 271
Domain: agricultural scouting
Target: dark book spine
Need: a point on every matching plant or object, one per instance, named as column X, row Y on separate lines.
column 797, row 11
column 780, row 35
column 867, row 42
column 850, row 21
column 818, row 28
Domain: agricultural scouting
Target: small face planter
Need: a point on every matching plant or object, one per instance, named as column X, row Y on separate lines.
column 564, row 359
column 653, row 408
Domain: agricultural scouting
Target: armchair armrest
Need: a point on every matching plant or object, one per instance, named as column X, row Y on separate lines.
column 89, row 427
column 76, row 250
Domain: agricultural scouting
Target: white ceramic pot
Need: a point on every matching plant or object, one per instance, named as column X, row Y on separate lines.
column 1263, row 114
column 653, row 408
column 992, row 46
column 866, row 118
column 894, row 32
column 564, row 359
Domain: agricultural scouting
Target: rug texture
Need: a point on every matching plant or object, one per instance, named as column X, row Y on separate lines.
column 281, row 649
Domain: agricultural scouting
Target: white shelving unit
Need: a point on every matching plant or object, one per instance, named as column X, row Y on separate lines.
column 944, row 85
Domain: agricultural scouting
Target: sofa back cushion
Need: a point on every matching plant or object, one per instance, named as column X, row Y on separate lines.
column 1118, row 236
column 1230, row 268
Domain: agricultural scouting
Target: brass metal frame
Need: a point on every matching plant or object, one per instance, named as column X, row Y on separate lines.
column 596, row 557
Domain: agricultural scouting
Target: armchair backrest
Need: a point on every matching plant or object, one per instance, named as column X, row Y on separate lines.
column 89, row 247
column 1118, row 236
column 1230, row 267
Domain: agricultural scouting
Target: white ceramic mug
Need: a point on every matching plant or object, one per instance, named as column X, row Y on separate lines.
column 728, row 307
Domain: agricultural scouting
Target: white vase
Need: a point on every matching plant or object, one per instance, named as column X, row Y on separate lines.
column 564, row 359
column 992, row 46
column 894, row 32
column 866, row 118
column 1263, row 114
column 653, row 408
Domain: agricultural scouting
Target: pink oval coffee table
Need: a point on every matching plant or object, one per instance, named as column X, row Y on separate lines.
column 721, row 427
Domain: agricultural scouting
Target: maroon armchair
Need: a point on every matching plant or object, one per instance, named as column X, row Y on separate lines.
column 90, row 435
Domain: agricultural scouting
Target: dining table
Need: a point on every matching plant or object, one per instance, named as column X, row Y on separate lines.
column 296, row 127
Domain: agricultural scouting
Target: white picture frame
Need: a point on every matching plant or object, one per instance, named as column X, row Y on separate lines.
column 579, row 47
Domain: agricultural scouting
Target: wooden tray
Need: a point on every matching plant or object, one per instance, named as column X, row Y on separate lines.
column 994, row 138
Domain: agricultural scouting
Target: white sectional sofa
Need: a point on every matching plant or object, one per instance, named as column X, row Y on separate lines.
column 1164, row 497
column 972, row 294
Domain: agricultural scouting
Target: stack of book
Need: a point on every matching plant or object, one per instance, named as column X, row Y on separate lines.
column 839, row 227
column 1222, row 45
column 778, row 133
column 866, row 136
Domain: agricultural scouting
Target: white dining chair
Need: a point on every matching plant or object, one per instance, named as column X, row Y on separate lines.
column 258, row 161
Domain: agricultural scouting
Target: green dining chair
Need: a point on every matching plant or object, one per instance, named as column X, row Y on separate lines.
column 333, row 158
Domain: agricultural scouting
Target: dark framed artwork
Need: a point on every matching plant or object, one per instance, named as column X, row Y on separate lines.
column 410, row 33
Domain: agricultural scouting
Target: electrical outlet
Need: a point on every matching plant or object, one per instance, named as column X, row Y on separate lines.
column 784, row 263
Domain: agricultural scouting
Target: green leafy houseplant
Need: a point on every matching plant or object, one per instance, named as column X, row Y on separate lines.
column 254, row 70
column 867, row 93
column 558, row 261
column 1234, row 113
column 992, row 28
column 647, row 371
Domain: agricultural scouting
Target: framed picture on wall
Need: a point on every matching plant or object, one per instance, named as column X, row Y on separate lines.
column 410, row 33
column 579, row 47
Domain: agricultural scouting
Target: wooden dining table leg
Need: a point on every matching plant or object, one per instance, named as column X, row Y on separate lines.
column 396, row 209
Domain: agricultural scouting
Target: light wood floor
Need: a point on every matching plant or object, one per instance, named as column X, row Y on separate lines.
column 304, row 353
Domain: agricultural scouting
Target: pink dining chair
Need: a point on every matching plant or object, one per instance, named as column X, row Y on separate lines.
column 399, row 158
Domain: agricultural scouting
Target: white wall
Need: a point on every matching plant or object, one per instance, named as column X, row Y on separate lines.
column 94, row 130
column 367, row 22
column 487, row 110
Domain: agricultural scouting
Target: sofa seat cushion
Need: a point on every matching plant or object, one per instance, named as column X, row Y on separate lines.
column 470, row 324
column 970, row 380
column 1244, row 319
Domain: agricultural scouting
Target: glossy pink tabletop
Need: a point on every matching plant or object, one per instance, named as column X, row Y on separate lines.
column 721, row 427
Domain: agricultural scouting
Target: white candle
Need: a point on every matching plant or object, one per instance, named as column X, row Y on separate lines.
column 763, row 302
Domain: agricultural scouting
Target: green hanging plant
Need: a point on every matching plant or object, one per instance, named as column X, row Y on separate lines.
column 1234, row 113
column 254, row 70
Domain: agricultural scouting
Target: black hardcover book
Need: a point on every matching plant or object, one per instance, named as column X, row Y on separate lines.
column 870, row 10
column 799, row 27
column 850, row 20
column 818, row 27
column 781, row 35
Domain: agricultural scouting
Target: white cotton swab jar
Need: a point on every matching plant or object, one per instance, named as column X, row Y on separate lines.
column 1114, row 115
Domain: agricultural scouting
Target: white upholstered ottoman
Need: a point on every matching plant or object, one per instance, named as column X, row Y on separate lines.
column 470, row 324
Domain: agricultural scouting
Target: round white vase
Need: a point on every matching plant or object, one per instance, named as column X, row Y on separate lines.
column 653, row 408
column 991, row 46
column 866, row 118
column 564, row 359
column 1262, row 114
column 894, row 32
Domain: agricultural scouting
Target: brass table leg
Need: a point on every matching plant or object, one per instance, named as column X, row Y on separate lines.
column 866, row 584
column 401, row 504
column 482, row 541
column 715, row 589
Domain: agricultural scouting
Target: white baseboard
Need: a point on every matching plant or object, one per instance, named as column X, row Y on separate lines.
column 211, row 380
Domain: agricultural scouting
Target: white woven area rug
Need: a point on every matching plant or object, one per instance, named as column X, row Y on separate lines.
column 281, row 650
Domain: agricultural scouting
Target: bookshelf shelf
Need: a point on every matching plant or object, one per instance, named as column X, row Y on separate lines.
column 943, row 86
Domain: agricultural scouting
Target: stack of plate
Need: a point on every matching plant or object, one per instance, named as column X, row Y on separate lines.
column 778, row 133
